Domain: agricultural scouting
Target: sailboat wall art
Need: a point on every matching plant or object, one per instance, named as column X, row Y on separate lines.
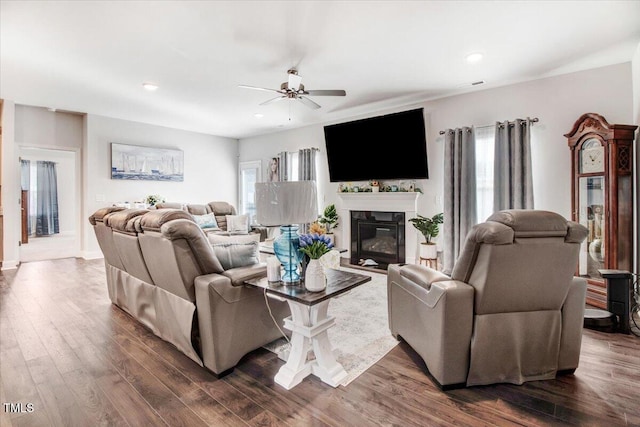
column 136, row 162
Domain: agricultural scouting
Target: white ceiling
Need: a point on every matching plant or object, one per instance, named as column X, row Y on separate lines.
column 92, row 56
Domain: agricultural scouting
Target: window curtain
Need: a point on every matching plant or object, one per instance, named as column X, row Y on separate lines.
column 512, row 178
column 307, row 164
column 283, row 166
column 306, row 172
column 25, row 184
column 459, row 191
column 47, row 199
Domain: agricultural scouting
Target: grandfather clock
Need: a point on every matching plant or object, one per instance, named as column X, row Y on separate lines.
column 602, row 198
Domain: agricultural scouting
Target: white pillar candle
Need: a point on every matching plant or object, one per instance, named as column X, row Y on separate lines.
column 273, row 269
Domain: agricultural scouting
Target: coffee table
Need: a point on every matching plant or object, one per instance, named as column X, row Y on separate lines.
column 309, row 324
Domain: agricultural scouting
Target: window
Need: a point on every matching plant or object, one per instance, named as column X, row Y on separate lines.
column 485, row 142
column 250, row 173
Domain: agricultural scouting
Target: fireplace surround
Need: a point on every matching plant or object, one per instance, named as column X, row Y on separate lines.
column 400, row 202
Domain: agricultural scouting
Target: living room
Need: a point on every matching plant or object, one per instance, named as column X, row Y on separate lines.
column 211, row 162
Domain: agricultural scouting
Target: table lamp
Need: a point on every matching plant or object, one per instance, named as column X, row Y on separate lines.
column 287, row 204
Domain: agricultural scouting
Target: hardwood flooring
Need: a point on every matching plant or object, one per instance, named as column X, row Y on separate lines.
column 68, row 357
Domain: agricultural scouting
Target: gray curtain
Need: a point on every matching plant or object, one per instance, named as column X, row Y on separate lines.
column 512, row 179
column 459, row 191
column 283, row 166
column 306, row 172
column 47, row 199
column 307, row 164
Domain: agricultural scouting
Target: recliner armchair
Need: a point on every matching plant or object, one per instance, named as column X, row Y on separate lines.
column 512, row 310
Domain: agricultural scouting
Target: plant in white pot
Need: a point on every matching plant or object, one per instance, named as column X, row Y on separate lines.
column 429, row 229
column 329, row 219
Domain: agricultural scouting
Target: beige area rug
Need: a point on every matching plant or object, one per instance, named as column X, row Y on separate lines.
column 361, row 335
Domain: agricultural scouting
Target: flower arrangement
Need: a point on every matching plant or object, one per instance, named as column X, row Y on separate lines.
column 317, row 228
column 152, row 199
column 315, row 245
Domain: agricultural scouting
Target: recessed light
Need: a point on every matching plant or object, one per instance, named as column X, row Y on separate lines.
column 53, row 110
column 150, row 86
column 258, row 115
column 474, row 57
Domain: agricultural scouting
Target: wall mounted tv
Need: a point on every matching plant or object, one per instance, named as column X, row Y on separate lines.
column 392, row 146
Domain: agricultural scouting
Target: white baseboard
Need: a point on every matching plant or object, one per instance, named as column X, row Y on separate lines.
column 10, row 264
column 91, row 255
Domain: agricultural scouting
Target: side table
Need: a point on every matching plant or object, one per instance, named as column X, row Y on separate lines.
column 308, row 324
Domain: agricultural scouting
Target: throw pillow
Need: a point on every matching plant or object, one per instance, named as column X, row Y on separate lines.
column 206, row 221
column 216, row 239
column 238, row 224
column 232, row 255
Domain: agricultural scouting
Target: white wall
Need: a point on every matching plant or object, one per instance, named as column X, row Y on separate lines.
column 557, row 101
column 10, row 188
column 210, row 168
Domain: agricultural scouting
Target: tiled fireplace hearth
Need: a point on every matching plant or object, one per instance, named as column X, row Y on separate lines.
column 402, row 202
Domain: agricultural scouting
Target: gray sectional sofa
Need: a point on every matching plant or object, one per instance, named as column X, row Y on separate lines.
column 163, row 271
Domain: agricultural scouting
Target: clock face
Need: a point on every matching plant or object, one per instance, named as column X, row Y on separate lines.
column 592, row 158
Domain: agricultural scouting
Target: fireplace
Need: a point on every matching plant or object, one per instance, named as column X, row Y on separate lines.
column 397, row 202
column 377, row 236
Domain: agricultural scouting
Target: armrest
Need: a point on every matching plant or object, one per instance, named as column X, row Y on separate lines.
column 422, row 275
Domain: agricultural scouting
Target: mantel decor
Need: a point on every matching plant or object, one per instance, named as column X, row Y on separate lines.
column 135, row 162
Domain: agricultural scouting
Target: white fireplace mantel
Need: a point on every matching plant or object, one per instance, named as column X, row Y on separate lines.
column 386, row 202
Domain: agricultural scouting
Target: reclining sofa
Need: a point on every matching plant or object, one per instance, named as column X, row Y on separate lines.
column 221, row 211
column 163, row 271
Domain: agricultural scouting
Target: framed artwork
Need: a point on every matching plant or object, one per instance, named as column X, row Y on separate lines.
column 135, row 162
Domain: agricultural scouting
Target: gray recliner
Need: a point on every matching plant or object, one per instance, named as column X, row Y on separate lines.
column 512, row 310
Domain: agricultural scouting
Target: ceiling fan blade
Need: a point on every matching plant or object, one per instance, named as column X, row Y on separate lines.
column 272, row 100
column 325, row 93
column 259, row 88
column 294, row 81
column 309, row 103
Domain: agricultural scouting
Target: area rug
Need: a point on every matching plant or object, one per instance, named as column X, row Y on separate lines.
column 361, row 335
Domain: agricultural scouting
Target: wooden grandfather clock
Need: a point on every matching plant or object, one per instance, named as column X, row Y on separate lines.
column 602, row 198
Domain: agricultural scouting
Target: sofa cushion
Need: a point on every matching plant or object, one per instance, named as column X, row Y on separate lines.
column 206, row 221
column 233, row 255
column 238, row 224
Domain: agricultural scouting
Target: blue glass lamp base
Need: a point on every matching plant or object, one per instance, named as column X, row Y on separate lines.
column 286, row 247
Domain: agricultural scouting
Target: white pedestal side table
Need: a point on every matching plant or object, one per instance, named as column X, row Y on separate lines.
column 309, row 323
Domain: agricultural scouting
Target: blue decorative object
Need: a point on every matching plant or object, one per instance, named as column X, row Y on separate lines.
column 286, row 247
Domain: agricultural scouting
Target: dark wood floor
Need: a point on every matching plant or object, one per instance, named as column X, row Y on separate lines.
column 80, row 361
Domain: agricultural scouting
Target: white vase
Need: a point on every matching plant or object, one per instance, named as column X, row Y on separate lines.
column 314, row 277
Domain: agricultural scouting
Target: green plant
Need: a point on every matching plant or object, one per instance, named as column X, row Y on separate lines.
column 329, row 218
column 428, row 226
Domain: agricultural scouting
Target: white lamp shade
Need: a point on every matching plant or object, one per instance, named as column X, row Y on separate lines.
column 288, row 202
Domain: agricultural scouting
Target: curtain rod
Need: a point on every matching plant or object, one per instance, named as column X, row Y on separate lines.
column 534, row 120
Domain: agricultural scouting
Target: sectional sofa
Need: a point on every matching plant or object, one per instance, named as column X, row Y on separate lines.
column 162, row 269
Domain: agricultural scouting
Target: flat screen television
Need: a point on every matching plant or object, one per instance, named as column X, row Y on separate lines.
column 393, row 146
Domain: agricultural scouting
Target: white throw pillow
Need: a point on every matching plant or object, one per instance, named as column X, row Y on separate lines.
column 219, row 239
column 238, row 224
column 233, row 255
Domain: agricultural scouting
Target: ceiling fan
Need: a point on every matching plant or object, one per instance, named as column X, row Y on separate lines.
column 294, row 89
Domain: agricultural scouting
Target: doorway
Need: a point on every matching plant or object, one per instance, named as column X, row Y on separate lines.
column 54, row 234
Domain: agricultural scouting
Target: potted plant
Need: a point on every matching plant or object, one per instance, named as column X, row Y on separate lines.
column 329, row 218
column 314, row 246
column 429, row 229
column 152, row 199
